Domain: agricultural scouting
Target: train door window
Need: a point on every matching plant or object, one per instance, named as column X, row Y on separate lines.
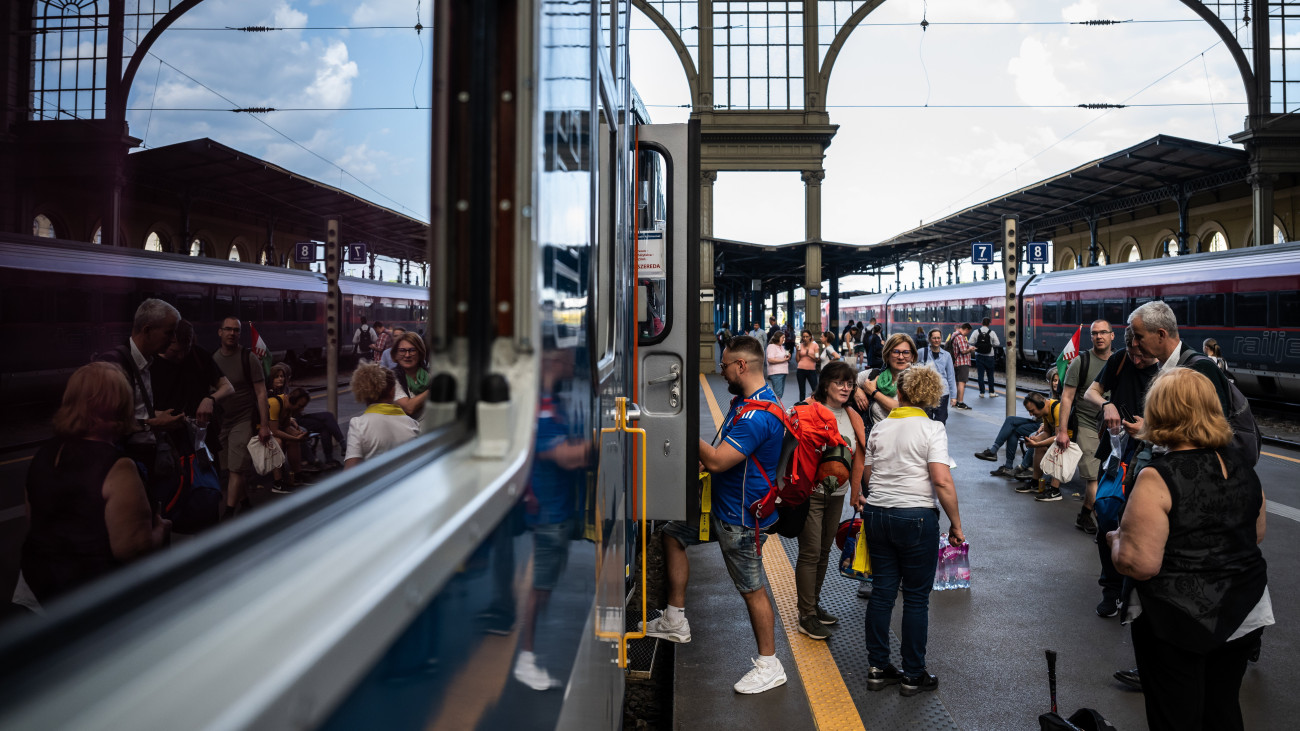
column 1210, row 310
column 1113, row 312
column 271, row 309
column 1180, row 307
column 1089, row 311
column 1288, row 309
column 1250, row 309
column 1049, row 313
column 653, row 246
column 249, row 310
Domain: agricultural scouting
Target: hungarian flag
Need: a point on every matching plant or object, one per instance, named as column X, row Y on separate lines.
column 263, row 353
column 1068, row 353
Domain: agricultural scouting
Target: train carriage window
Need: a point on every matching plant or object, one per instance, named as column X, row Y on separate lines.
column 1089, row 311
column 1069, row 313
column 1113, row 312
column 72, row 309
column 307, row 312
column 1180, row 307
column 1210, row 310
column 1288, row 309
column 290, row 312
column 271, row 310
column 1050, row 316
column 249, row 309
column 223, row 306
column 1250, row 309
column 997, row 313
column 193, row 307
column 22, row 305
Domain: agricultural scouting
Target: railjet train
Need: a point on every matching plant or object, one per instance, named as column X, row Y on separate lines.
column 1246, row 299
column 469, row 578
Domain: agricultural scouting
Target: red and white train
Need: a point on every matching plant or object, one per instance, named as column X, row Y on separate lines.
column 62, row 302
column 1246, row 299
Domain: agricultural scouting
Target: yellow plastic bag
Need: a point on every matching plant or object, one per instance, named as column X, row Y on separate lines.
column 706, row 503
column 861, row 558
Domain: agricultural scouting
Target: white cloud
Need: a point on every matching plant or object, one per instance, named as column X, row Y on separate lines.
column 1034, row 74
column 334, row 75
column 390, row 12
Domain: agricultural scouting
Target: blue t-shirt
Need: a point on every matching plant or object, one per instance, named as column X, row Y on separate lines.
column 554, row 487
column 756, row 433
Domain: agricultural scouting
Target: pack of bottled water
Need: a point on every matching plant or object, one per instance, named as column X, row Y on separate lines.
column 953, row 568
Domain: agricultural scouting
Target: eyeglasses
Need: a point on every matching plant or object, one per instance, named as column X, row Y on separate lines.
column 731, row 362
column 230, row 329
column 842, row 384
column 898, row 351
column 407, row 351
column 1099, row 333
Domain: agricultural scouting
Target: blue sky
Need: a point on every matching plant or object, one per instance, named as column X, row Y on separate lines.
column 887, row 170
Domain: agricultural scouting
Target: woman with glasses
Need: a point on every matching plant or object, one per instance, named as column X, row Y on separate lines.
column 839, row 472
column 877, row 392
column 412, row 374
column 907, row 469
column 806, row 372
column 778, row 363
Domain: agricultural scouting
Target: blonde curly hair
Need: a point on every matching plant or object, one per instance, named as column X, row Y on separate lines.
column 920, row 387
column 373, row 383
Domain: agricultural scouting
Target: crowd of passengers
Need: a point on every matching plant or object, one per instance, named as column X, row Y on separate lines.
column 1181, row 564
column 159, row 435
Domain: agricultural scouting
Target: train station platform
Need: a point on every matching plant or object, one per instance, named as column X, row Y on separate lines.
column 1033, row 588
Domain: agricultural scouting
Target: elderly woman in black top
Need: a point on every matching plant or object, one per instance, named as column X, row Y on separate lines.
column 1189, row 537
column 86, row 505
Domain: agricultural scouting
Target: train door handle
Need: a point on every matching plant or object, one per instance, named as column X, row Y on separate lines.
column 674, row 374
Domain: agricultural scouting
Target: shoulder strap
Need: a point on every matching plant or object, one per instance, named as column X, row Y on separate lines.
column 133, row 373
column 243, row 362
column 1122, row 361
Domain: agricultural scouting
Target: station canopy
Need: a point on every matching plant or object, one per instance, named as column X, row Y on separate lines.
column 1156, row 171
column 208, row 172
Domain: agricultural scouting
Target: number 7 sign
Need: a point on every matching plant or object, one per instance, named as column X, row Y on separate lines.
column 357, row 253
column 981, row 253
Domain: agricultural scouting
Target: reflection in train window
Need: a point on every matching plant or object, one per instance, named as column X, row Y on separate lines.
column 1210, row 310
column 654, row 246
column 1288, row 309
column 1250, row 310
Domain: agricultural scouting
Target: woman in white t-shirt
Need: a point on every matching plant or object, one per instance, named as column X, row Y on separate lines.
column 828, row 352
column 907, row 468
column 778, row 364
column 383, row 425
column 838, row 473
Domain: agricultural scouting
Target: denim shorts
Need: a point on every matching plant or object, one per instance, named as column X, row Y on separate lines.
column 738, row 550
column 550, row 553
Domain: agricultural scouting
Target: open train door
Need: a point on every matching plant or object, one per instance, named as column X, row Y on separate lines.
column 668, row 315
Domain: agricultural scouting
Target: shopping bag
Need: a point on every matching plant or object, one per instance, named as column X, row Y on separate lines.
column 849, row 536
column 1062, row 464
column 267, row 456
column 861, row 559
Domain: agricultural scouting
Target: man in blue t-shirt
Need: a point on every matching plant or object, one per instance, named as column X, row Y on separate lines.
column 747, row 441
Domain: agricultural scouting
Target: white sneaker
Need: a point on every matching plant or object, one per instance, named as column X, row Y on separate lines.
column 661, row 628
column 762, row 677
column 527, row 672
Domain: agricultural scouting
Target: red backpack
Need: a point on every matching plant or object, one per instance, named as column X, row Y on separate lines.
column 812, row 435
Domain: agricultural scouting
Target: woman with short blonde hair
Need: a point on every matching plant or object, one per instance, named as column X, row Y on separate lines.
column 384, row 424
column 1189, row 537
column 87, row 508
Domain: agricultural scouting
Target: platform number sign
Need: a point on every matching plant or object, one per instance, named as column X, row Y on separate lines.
column 1036, row 252
column 981, row 252
column 357, row 253
column 304, row 252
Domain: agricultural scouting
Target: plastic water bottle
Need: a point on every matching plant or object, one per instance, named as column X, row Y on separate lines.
column 942, row 580
column 962, row 580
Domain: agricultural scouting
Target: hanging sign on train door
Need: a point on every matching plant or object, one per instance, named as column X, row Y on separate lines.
column 981, row 252
column 357, row 253
column 304, row 252
column 650, row 262
column 1036, row 252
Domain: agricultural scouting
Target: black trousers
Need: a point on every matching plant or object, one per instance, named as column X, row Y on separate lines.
column 806, row 378
column 1189, row 691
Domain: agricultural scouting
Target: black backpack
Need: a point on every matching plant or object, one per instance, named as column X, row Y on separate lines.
column 366, row 339
column 1246, row 439
column 950, row 345
column 984, row 341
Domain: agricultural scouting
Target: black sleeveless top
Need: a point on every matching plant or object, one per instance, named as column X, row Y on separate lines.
column 67, row 541
column 1213, row 573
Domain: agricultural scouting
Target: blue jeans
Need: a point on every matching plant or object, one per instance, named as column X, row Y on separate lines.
column 984, row 364
column 1013, row 426
column 739, row 550
column 904, row 548
column 777, row 381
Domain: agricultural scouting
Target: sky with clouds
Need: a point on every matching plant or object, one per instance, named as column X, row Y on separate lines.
column 893, row 163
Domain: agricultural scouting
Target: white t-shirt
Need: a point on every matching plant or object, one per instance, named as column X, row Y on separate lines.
column 373, row 433
column 900, row 450
column 846, row 430
column 827, row 355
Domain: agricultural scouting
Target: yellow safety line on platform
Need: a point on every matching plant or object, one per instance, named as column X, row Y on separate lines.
column 13, row 461
column 1280, row 456
column 713, row 402
column 828, row 697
